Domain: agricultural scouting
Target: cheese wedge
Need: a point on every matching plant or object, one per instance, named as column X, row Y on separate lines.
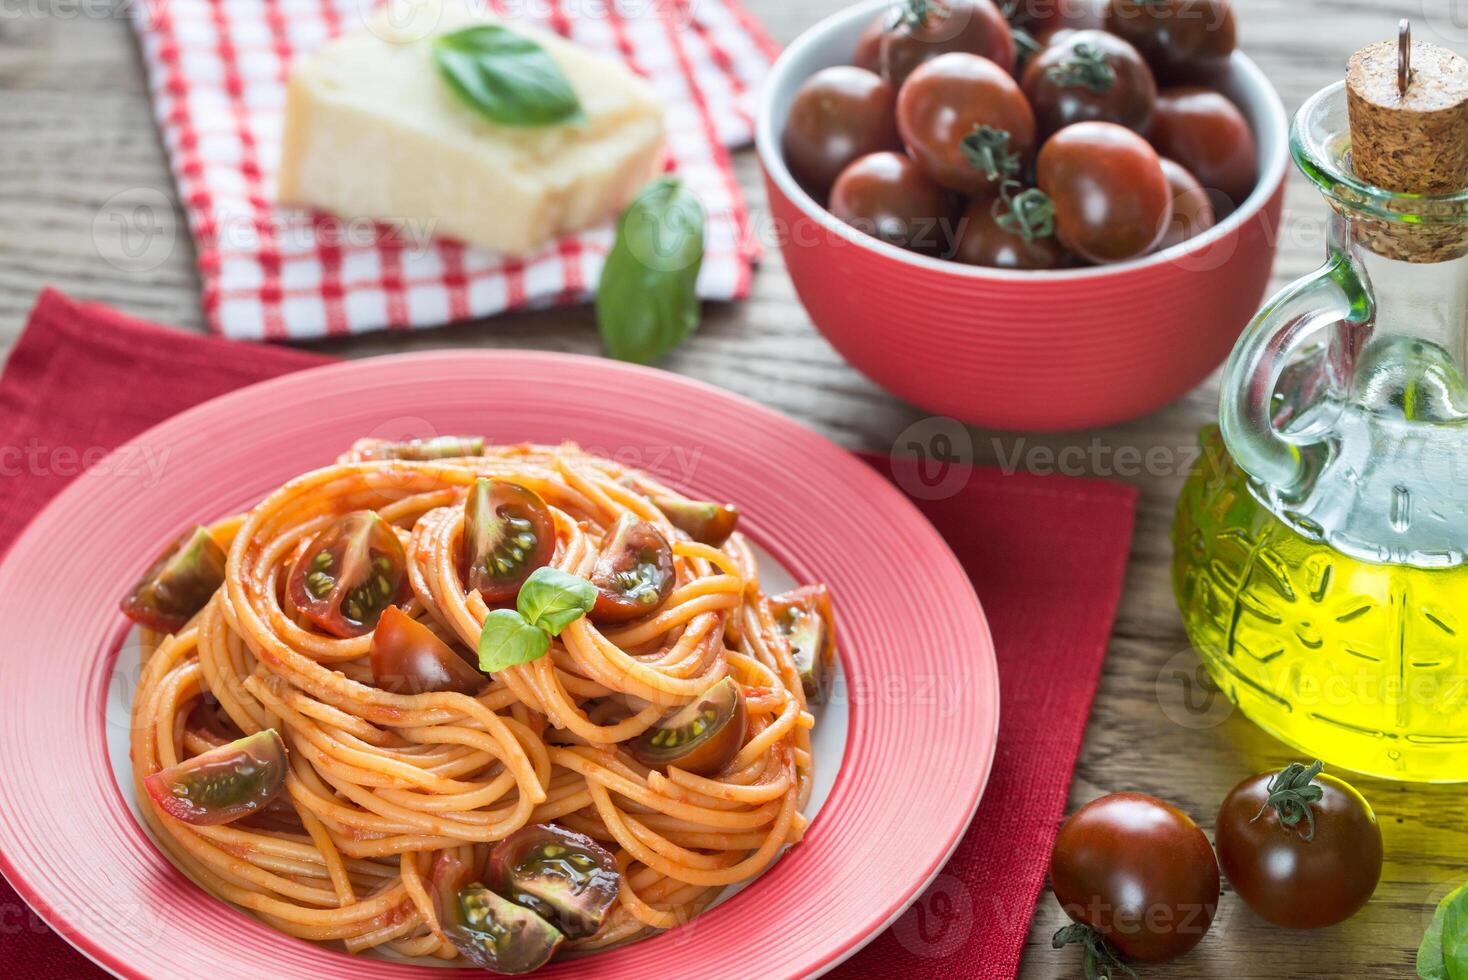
column 373, row 132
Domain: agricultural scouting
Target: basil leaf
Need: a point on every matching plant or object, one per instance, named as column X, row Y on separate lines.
column 1446, row 940
column 506, row 77
column 646, row 303
column 507, row 639
column 552, row 599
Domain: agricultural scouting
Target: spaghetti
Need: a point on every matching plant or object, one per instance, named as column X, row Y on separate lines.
column 383, row 784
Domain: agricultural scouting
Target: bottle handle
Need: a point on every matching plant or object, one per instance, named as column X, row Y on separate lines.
column 1332, row 294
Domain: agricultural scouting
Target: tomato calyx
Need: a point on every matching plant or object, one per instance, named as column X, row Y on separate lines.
column 1098, row 959
column 987, row 148
column 1291, row 794
column 1087, row 67
column 915, row 14
column 1029, row 214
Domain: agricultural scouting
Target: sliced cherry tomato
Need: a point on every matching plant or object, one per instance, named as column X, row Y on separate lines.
column 224, row 783
column 1112, row 200
column 566, row 878
column 1302, row 849
column 409, row 658
column 1181, row 39
column 868, row 53
column 1139, row 873
column 838, row 115
column 349, row 574
column 178, row 584
column 1192, row 208
column 417, row 450
column 634, row 574
column 804, row 617
column 1206, row 133
column 887, row 196
column 489, row 931
column 1090, row 75
column 702, row 737
column 984, row 241
column 949, row 101
column 508, row 533
column 926, row 29
column 703, row 521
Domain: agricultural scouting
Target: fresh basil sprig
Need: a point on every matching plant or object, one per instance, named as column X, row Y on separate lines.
column 548, row 602
column 505, row 77
column 1443, row 954
column 647, row 303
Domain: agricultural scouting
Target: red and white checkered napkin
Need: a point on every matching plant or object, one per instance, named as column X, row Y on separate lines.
column 218, row 71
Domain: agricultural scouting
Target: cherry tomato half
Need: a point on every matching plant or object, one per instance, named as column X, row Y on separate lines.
column 409, row 658
column 1302, row 849
column 1206, row 133
column 838, row 115
column 508, row 533
column 1112, row 200
column 224, row 783
column 489, row 931
column 946, row 103
column 179, row 583
column 927, row 29
column 1139, row 872
column 887, row 196
column 1090, row 75
column 804, row 617
column 634, row 573
column 701, row 737
column 566, row 878
column 1192, row 208
column 702, row 520
column 349, row 574
column 1181, row 39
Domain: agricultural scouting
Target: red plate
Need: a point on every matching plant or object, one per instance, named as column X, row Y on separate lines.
column 921, row 712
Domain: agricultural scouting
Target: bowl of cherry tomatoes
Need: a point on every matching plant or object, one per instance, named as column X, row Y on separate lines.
column 1030, row 215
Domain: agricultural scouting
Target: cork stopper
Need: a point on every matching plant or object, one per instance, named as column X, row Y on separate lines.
column 1408, row 103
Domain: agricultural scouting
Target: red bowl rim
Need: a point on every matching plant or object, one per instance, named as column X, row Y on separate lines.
column 1272, row 133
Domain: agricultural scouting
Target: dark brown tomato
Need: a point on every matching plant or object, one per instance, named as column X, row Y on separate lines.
column 224, row 783
column 1192, row 208
column 490, row 931
column 1090, row 75
column 868, row 53
column 702, row 520
column 950, row 100
column 1289, row 878
column 984, row 241
column 927, row 29
column 1042, row 18
column 349, row 574
column 1206, row 133
column 634, row 573
column 508, row 533
column 566, row 878
column 887, row 196
column 1112, row 200
column 838, row 115
column 178, row 584
column 1139, row 872
column 409, row 658
column 701, row 737
column 804, row 617
column 1181, row 39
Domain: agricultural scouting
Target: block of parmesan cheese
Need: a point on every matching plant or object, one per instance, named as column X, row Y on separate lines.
column 372, row 131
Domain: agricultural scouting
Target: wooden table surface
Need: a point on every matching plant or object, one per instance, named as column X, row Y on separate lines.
column 76, row 129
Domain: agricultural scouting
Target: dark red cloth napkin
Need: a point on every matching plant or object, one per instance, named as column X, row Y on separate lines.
column 1046, row 556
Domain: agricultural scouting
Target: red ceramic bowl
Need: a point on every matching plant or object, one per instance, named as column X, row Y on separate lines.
column 1039, row 351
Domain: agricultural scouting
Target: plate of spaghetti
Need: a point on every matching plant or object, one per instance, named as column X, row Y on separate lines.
column 511, row 661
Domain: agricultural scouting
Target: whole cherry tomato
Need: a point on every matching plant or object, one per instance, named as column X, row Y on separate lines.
column 984, row 241
column 1181, row 39
column 838, row 115
column 1112, row 201
column 868, row 52
column 888, row 197
column 1205, row 132
column 1301, row 848
column 1090, row 75
column 926, row 29
column 1139, row 873
column 1041, row 18
column 1192, row 208
column 966, row 123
